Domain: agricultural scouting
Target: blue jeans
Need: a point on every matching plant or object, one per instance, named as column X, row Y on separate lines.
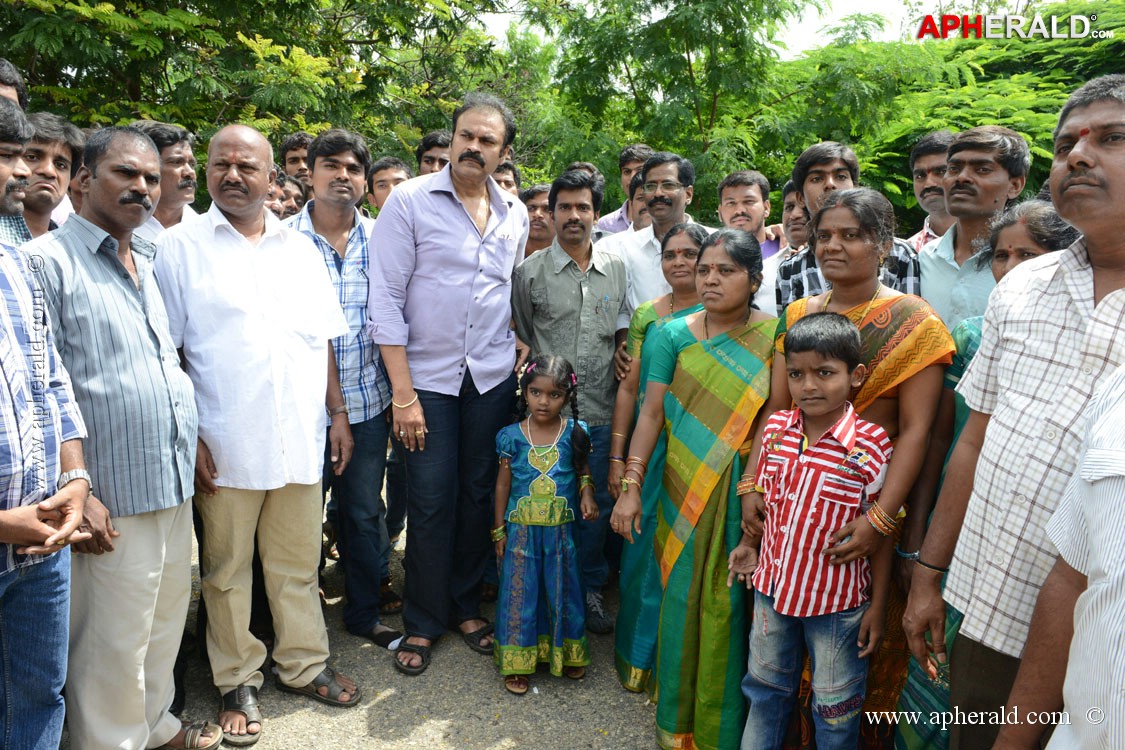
column 396, row 490
column 450, row 505
column 34, row 630
column 361, row 530
column 592, row 534
column 773, row 675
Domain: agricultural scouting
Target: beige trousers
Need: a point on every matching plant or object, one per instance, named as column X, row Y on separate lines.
column 127, row 612
column 286, row 522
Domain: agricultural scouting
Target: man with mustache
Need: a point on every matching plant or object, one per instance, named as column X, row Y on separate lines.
column 541, row 229
column 927, row 170
column 13, row 228
column 1054, row 333
column 338, row 164
column 744, row 203
column 443, row 250
column 986, row 169
column 53, row 154
column 254, row 312
column 177, row 177
column 569, row 300
column 132, row 582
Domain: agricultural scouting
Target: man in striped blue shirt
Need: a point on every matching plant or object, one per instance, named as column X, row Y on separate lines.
column 338, row 163
column 131, row 591
column 41, row 434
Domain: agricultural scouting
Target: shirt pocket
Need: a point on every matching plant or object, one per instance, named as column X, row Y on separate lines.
column 773, row 474
column 541, row 302
column 842, row 490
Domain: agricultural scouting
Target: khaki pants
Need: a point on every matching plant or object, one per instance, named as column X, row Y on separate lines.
column 126, row 618
column 287, row 524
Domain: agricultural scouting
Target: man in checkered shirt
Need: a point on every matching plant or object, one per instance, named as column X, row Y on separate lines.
column 820, row 169
column 1053, row 328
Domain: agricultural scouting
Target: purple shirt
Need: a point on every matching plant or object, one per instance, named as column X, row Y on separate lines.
column 618, row 221
column 440, row 288
column 770, row 248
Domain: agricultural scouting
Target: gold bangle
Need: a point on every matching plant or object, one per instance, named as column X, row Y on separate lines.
column 341, row 409
column 616, row 434
column 584, row 481
column 498, row 533
column 408, row 403
column 626, row 481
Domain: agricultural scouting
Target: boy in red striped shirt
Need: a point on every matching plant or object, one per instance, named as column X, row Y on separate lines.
column 820, row 468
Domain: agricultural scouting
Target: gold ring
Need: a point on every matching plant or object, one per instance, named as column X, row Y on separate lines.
column 419, row 432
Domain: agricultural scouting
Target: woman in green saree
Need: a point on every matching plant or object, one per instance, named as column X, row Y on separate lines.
column 708, row 376
column 641, row 590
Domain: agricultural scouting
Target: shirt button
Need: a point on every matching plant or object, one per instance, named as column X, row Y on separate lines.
column 1050, row 434
column 792, row 496
column 1021, row 498
column 997, row 557
column 1088, row 370
column 785, row 528
column 777, row 563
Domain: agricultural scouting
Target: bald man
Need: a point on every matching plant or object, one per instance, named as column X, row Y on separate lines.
column 252, row 308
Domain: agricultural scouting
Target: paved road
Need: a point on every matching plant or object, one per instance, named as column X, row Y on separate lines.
column 458, row 704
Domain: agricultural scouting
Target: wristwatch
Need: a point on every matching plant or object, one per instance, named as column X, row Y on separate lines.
column 69, row 476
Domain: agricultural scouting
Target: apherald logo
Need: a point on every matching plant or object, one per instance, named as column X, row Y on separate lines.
column 1010, row 27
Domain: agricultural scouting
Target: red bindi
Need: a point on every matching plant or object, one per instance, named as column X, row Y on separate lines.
column 1083, row 132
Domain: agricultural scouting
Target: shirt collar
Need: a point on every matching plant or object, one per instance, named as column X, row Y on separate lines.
column 303, row 222
column 501, row 200
column 94, row 238
column 560, row 259
column 219, row 219
column 843, row 432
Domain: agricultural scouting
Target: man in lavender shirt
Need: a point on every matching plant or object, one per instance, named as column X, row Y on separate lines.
column 442, row 254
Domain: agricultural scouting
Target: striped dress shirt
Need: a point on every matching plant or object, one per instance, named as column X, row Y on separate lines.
column 1088, row 529
column 810, row 493
column 1044, row 347
column 367, row 392
column 37, row 408
column 115, row 342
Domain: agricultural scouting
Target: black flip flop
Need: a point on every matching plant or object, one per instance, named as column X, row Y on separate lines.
column 384, row 639
column 412, row 648
column 244, row 700
column 472, row 640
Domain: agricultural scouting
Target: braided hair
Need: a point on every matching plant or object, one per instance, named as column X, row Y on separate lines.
column 561, row 372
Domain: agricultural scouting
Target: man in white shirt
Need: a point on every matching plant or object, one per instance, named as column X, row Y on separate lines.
column 251, row 305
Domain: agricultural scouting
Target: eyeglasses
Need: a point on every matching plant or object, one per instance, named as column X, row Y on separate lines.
column 668, row 186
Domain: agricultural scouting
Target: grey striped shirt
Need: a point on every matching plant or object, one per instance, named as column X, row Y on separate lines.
column 114, row 340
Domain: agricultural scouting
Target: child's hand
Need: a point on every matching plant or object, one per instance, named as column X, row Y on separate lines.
column 753, row 514
column 588, row 507
column 870, row 631
column 741, row 564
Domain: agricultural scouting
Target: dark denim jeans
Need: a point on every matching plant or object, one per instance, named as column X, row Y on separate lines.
column 396, row 490
column 591, row 535
column 361, row 531
column 34, row 633
column 450, row 505
column 839, row 676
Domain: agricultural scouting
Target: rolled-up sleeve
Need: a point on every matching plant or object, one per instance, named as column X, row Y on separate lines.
column 393, row 254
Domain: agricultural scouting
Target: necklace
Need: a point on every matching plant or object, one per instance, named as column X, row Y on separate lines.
column 878, row 288
column 671, row 302
column 542, row 448
column 707, row 333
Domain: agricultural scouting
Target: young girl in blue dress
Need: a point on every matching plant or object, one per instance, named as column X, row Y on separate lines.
column 542, row 485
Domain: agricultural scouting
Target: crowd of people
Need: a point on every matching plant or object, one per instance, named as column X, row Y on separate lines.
column 837, row 476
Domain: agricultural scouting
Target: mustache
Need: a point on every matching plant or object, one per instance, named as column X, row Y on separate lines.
column 18, row 183
column 933, row 191
column 1084, row 176
column 187, row 184
column 574, row 223
column 140, row 200
column 233, row 186
column 472, row 156
column 963, row 187
column 659, row 200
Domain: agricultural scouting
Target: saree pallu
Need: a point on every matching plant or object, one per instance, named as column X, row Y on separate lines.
column 716, row 391
column 900, row 337
column 641, row 589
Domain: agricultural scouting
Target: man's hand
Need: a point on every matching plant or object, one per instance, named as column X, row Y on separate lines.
column 408, row 426
column 622, row 362
column 61, row 514
column 205, row 472
column 97, row 523
column 523, row 351
column 341, row 442
column 925, row 613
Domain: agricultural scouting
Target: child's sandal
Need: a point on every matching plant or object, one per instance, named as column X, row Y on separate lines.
column 575, row 673
column 516, row 684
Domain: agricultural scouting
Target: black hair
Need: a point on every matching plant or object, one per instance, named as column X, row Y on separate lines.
column 163, row 134
column 478, row 100
column 822, row 153
column 1046, row 228
column 98, row 143
column 292, row 142
column 387, row 162
column 562, row 373
column 635, row 183
column 51, row 128
column 1011, row 149
column 337, row 141
column 695, row 232
column 936, row 142
column 746, row 178
column 283, row 179
column 1100, row 89
column 635, row 152
column 433, row 139
column 871, row 209
column 510, row 166
column 10, row 76
column 528, row 193
column 684, row 168
column 830, row 335
column 14, row 126
column 577, row 179
column 788, row 188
